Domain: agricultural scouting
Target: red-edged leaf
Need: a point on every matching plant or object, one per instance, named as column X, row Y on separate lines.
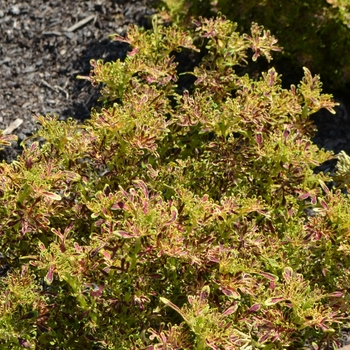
column 173, row 216
column 51, row 195
column 259, row 139
column 288, row 274
column 118, row 205
column 254, row 308
column 106, row 254
column 205, row 293
column 269, row 276
column 231, row 293
column 314, row 199
column 49, row 275
column 324, row 186
column 304, row 196
column 123, row 234
column 335, row 294
column 273, row 301
column 315, row 346
column 264, row 337
column 140, row 184
column 133, row 52
column 232, row 309
column 324, row 205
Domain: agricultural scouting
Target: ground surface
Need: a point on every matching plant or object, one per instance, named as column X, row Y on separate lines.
column 41, row 54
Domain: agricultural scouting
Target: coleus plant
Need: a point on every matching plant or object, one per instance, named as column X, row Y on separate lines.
column 313, row 33
column 175, row 218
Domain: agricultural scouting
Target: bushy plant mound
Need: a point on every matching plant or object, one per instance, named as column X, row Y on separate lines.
column 313, row 33
column 174, row 218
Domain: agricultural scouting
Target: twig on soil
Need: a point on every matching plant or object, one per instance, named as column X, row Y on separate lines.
column 52, row 33
column 63, row 90
column 55, row 88
column 14, row 125
column 45, row 83
column 80, row 23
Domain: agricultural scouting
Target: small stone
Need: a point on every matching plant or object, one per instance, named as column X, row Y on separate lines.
column 15, row 10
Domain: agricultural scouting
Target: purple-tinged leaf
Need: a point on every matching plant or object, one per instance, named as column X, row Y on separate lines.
column 123, row 234
column 293, row 89
column 231, row 293
column 304, row 196
column 324, row 186
column 324, row 205
column 288, row 274
column 315, row 346
column 212, row 345
column 49, row 275
column 99, row 222
column 133, row 52
column 269, row 276
column 232, row 309
column 174, row 307
column 174, row 215
column 77, row 247
column 259, row 139
column 118, row 205
column 335, row 294
column 205, row 198
column 51, row 195
column 58, row 233
column 286, row 134
column 140, row 184
column 254, row 308
column 205, row 293
column 208, row 34
column 307, row 145
column 106, row 255
column 94, row 252
column 313, row 199
column 264, row 337
column 273, row 301
column 117, row 37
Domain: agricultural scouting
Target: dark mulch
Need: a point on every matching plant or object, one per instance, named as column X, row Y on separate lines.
column 41, row 55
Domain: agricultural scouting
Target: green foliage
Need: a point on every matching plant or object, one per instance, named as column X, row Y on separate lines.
column 177, row 220
column 313, row 33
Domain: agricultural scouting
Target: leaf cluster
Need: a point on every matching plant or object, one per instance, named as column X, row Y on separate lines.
column 314, row 33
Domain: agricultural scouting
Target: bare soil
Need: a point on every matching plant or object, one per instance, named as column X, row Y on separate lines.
column 44, row 45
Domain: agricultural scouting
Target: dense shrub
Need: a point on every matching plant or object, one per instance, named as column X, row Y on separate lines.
column 177, row 218
column 313, row 33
